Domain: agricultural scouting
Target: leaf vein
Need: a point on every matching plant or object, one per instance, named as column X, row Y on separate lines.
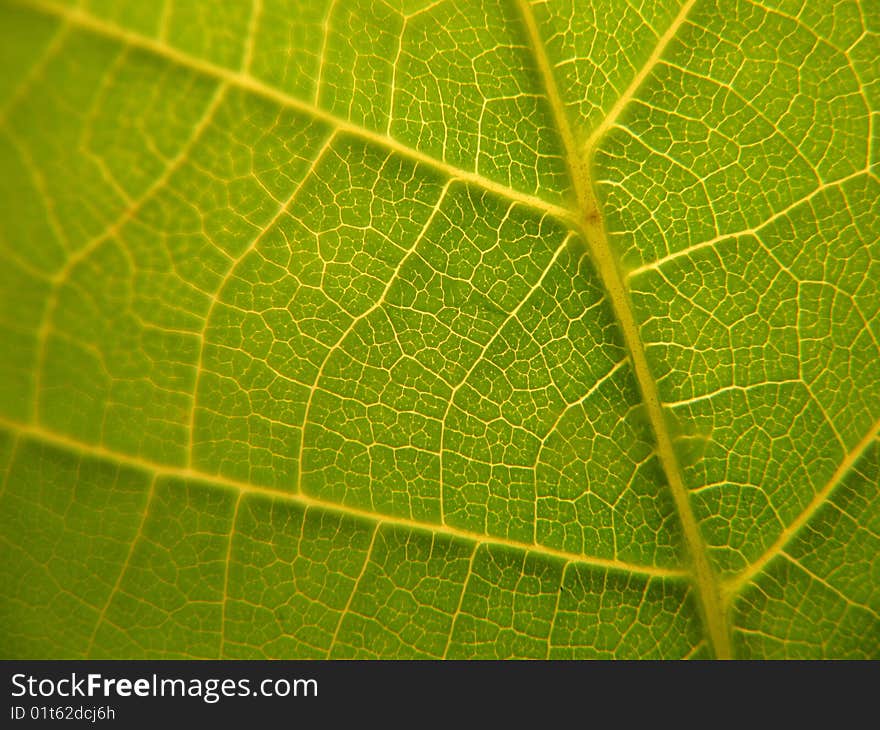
column 83, row 449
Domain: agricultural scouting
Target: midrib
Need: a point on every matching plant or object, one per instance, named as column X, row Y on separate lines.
column 588, row 220
column 585, row 217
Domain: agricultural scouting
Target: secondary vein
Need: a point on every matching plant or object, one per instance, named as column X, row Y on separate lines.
column 850, row 460
column 628, row 94
column 83, row 449
column 244, row 81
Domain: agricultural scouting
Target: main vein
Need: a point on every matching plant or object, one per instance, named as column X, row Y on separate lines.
column 589, row 222
column 584, row 216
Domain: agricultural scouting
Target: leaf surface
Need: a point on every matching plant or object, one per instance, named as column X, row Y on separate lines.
column 440, row 329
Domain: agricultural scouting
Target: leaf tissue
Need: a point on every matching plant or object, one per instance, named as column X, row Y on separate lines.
column 440, row 328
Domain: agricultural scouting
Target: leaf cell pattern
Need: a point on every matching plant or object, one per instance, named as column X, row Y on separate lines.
column 440, row 328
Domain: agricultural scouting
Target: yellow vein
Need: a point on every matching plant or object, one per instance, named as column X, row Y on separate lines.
column 90, row 120
column 695, row 649
column 124, row 568
column 510, row 318
column 627, row 96
column 36, row 71
column 84, row 449
column 751, row 231
column 248, row 83
column 39, row 182
column 253, row 29
column 826, row 584
column 227, row 564
column 590, row 223
column 706, row 584
column 354, row 323
column 61, row 276
column 555, row 614
column 255, row 241
column 354, row 589
column 736, row 584
column 165, row 20
column 13, row 454
column 322, row 55
column 578, row 173
column 457, row 612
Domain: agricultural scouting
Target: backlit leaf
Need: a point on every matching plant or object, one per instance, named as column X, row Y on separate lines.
column 440, row 328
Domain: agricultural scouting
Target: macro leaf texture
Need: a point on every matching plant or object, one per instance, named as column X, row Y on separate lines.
column 440, row 328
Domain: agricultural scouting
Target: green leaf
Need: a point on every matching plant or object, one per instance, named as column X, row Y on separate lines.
column 440, row 328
